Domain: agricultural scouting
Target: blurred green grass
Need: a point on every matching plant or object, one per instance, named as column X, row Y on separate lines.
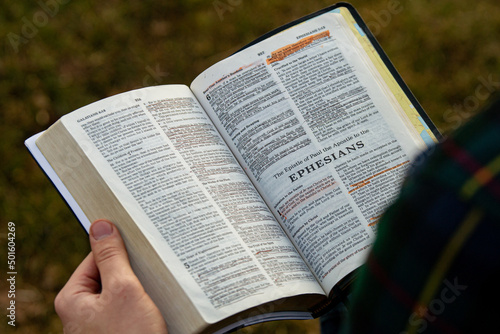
column 88, row 50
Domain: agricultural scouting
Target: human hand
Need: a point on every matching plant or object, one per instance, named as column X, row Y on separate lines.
column 103, row 295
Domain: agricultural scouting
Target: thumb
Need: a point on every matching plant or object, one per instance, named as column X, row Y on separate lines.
column 110, row 254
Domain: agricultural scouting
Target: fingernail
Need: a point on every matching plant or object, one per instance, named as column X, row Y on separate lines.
column 101, row 229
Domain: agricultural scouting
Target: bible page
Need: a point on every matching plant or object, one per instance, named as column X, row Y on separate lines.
column 319, row 134
column 161, row 156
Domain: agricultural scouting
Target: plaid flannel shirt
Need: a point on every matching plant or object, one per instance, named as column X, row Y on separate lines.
column 435, row 264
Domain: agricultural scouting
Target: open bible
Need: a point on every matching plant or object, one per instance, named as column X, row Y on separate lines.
column 253, row 194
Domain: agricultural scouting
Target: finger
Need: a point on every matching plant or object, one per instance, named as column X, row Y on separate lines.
column 86, row 277
column 83, row 281
column 110, row 254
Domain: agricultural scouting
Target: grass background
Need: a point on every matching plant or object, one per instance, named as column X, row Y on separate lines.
column 54, row 61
